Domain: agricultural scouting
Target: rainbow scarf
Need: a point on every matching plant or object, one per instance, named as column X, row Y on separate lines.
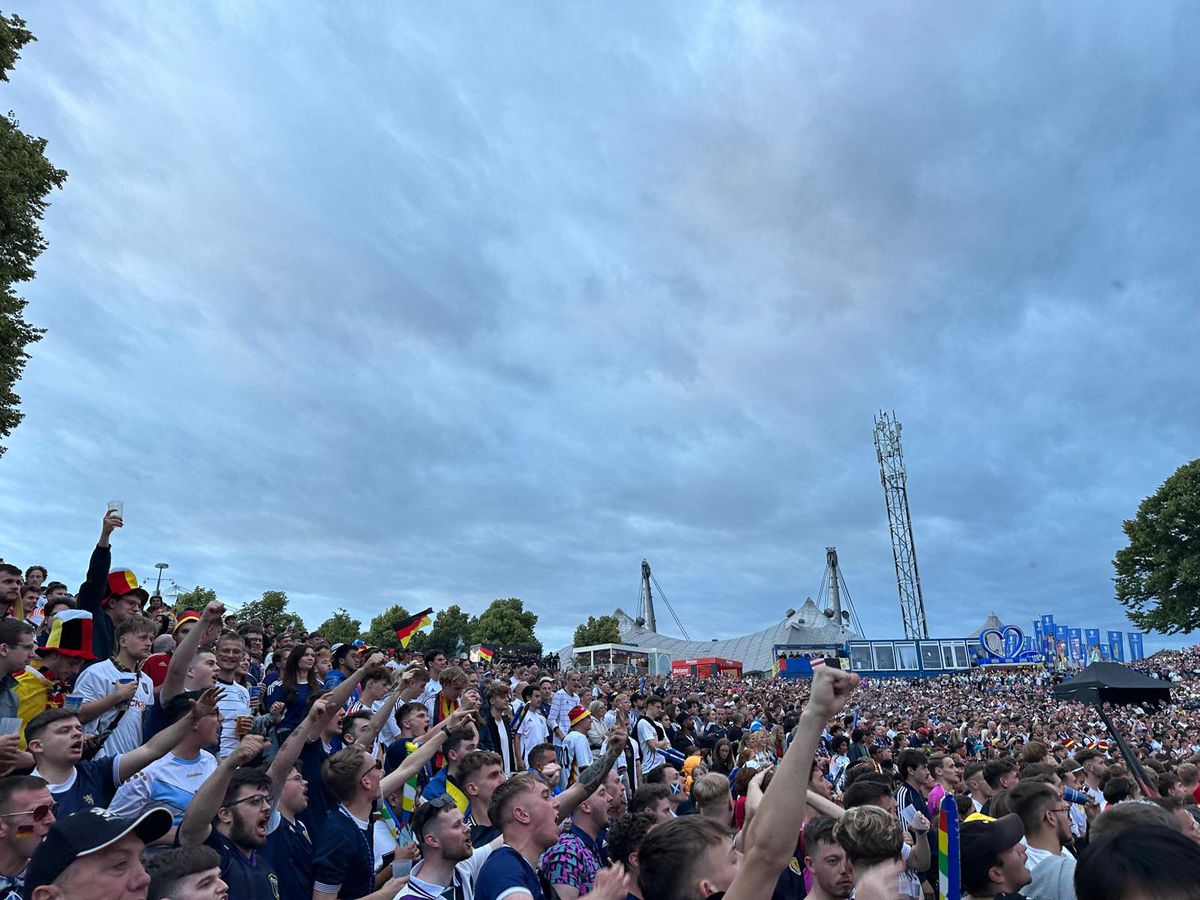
column 408, row 795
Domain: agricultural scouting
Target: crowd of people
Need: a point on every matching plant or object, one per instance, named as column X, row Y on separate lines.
column 149, row 751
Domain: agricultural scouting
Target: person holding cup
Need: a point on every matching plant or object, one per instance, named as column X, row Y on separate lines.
column 116, row 692
column 111, row 597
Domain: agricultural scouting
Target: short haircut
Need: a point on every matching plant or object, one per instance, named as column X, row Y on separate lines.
column 1084, row 756
column 712, row 788
column 11, row 630
column 426, row 815
column 647, row 797
column 670, row 854
column 1188, row 773
column 376, row 673
column 1150, row 861
column 250, row 628
column 44, row 720
column 472, row 763
column 456, row 739
column 658, row 775
column 349, row 720
column 654, row 699
column 818, row 830
column 1030, row 800
column 33, row 569
column 10, row 569
column 136, row 625
column 507, row 794
column 340, row 772
column 453, row 676
column 499, row 689
column 253, row 778
column 431, row 655
column 409, row 709
column 869, row 835
column 1118, row 788
column 538, row 753
column 864, row 792
column 1034, row 752
column 1037, row 772
column 14, row 783
column 228, row 637
column 168, row 868
column 997, row 769
column 1128, row 818
column 909, row 760
column 627, row 833
column 973, row 769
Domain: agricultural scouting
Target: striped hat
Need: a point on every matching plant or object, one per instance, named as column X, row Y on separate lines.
column 578, row 714
column 122, row 582
column 71, row 634
column 189, row 615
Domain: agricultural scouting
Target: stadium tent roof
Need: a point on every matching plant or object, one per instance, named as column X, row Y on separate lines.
column 807, row 625
column 1108, row 682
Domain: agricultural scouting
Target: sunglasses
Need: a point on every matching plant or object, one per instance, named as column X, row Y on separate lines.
column 43, row 811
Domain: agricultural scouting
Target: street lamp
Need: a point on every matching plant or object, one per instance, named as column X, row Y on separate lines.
column 158, row 584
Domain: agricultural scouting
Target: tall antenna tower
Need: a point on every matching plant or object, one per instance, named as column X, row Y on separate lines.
column 894, row 478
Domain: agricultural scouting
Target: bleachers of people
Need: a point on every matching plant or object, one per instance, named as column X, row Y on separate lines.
column 154, row 752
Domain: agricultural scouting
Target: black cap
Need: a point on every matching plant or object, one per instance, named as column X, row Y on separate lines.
column 980, row 841
column 90, row 831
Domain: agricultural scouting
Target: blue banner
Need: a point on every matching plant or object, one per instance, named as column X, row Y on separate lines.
column 1136, row 650
column 1039, row 636
column 1116, row 646
column 1060, row 642
column 1048, row 636
column 1075, row 643
column 1091, row 645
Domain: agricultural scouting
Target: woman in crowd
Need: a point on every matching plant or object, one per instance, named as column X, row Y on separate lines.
column 299, row 681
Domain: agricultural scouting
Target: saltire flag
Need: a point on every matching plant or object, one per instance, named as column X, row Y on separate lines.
column 410, row 626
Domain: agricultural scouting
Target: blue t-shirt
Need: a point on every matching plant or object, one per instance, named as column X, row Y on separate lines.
column 93, row 783
column 344, row 858
column 290, row 852
column 320, row 801
column 248, row 877
column 294, row 711
column 506, row 869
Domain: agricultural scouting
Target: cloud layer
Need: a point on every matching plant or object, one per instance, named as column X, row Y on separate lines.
column 442, row 305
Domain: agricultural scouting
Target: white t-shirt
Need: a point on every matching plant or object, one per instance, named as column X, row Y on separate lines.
column 235, row 701
column 651, row 758
column 578, row 756
column 98, row 681
column 390, row 730
column 533, row 730
column 170, row 781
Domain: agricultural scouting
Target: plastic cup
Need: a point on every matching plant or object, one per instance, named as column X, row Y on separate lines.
column 126, row 677
column 116, row 506
column 243, row 725
column 255, row 693
column 10, row 725
column 73, row 701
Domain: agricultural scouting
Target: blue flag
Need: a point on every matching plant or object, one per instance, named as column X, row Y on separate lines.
column 1075, row 643
column 1135, row 646
column 1116, row 645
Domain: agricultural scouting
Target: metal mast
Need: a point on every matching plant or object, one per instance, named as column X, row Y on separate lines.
column 647, row 597
column 894, row 478
column 835, row 597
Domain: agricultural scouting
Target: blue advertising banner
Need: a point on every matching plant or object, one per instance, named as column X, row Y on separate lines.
column 1136, row 650
column 1075, row 643
column 1039, row 636
column 1091, row 645
column 1116, row 645
column 1048, row 635
column 1060, row 643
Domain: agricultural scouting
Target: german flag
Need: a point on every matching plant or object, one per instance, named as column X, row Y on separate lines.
column 410, row 626
column 486, row 654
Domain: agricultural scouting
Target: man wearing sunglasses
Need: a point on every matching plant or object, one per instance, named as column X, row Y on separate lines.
column 26, row 814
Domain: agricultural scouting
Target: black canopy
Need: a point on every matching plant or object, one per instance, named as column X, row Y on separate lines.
column 1107, row 682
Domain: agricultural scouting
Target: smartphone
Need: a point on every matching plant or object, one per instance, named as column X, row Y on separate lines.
column 388, row 858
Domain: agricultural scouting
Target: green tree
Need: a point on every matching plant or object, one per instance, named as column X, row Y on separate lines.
column 26, row 178
column 1158, row 574
column 451, row 627
column 604, row 630
column 505, row 622
column 272, row 609
column 382, row 633
column 341, row 627
column 196, row 599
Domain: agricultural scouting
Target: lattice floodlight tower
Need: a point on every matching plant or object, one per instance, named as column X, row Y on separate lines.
column 894, row 478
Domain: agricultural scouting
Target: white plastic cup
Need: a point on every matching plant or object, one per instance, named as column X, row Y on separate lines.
column 73, row 701
column 126, row 677
column 117, row 507
column 10, row 725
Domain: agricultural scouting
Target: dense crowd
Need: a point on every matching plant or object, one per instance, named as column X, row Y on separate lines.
column 148, row 751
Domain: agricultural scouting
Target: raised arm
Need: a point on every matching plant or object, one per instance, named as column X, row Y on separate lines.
column 340, row 694
column 197, row 818
column 593, row 776
column 199, row 636
column 412, row 764
column 379, row 719
column 162, row 743
column 322, row 710
column 92, row 591
column 770, row 837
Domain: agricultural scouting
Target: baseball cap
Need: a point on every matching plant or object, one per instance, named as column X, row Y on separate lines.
column 981, row 840
column 89, row 831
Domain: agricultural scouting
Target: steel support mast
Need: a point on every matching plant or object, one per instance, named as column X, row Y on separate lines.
column 894, row 478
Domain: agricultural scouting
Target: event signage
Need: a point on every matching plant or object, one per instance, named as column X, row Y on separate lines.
column 1005, row 646
column 1116, row 646
column 1075, row 642
column 1091, row 643
column 1136, row 650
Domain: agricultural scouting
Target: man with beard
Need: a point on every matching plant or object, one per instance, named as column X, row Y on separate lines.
column 240, row 802
column 825, row 858
column 344, row 864
column 1047, row 828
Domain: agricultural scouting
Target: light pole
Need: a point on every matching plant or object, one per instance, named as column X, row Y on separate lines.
column 158, row 583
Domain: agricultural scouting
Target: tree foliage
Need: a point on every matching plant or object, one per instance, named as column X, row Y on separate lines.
column 451, row 629
column 272, row 609
column 505, row 622
column 1158, row 574
column 381, row 632
column 195, row 599
column 340, row 628
column 603, row 630
column 26, row 178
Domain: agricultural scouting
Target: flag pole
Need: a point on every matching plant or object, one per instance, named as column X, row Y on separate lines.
column 1135, row 766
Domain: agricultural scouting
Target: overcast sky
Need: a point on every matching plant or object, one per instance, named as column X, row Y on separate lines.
column 440, row 303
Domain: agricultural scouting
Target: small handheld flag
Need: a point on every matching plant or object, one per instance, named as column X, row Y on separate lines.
column 948, row 858
column 486, row 654
column 410, row 626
